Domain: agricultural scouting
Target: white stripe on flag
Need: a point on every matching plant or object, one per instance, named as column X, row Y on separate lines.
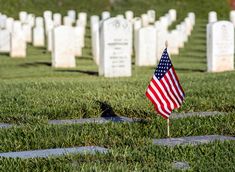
column 169, row 91
column 176, row 82
column 156, row 102
column 173, row 87
column 160, row 97
column 164, row 91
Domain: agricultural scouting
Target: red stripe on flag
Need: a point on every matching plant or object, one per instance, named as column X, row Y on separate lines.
column 162, row 107
column 155, row 104
column 171, row 90
column 164, row 92
column 168, row 91
column 176, row 77
column 175, row 87
column 163, row 95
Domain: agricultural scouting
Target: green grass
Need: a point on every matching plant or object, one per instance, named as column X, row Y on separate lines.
column 31, row 92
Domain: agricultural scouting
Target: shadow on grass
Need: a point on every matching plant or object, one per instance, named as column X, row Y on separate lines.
column 107, row 110
column 35, row 64
column 78, row 71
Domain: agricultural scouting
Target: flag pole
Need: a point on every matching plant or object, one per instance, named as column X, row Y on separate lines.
column 168, row 127
column 168, row 120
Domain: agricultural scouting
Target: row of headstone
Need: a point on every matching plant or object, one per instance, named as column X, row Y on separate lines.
column 149, row 35
column 12, row 37
column 41, row 31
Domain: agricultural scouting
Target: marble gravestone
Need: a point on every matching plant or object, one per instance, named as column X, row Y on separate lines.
column 27, row 32
column 173, row 42
column 212, row 17
column 23, row 16
column 63, row 55
column 47, row 15
column 115, row 48
column 79, row 40
column 173, row 15
column 220, row 46
column 18, row 43
column 3, row 21
column 137, row 26
column 151, row 16
column 57, row 18
column 38, row 33
column 67, row 21
column 72, row 15
column 146, row 47
column 96, row 43
column 9, row 24
column 105, row 15
column 82, row 16
column 4, row 41
column 129, row 15
column 49, row 25
column 145, row 20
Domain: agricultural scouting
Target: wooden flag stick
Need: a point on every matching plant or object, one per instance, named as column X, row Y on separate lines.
column 168, row 127
column 166, row 43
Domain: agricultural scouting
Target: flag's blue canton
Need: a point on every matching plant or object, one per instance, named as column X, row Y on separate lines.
column 163, row 66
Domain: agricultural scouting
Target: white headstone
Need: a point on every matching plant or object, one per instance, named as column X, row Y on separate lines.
column 146, row 47
column 49, row 25
column 3, row 21
column 82, row 16
column 82, row 29
column 220, row 46
column 67, row 21
column 72, row 15
column 27, row 32
column 192, row 18
column 105, row 15
column 151, row 16
column 129, row 15
column 115, row 59
column 137, row 26
column 173, row 42
column 173, row 14
column 23, row 16
column 4, row 41
column 47, row 15
column 38, row 36
column 161, row 38
column 212, row 17
column 96, row 43
column 63, row 55
column 79, row 40
column 57, row 19
column 18, row 43
column 39, row 22
column 31, row 20
column 145, row 20
column 9, row 24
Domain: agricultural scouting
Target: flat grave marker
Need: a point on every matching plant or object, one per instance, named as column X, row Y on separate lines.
column 191, row 140
column 54, row 152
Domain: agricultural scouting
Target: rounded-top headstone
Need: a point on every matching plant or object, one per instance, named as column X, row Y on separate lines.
column 212, row 17
column 151, row 16
column 105, row 15
column 129, row 15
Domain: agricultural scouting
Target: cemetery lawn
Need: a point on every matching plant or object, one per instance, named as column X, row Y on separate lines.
column 32, row 92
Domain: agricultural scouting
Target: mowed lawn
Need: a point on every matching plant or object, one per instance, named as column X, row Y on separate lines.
column 32, row 92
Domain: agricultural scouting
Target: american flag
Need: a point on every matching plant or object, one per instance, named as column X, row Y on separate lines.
column 164, row 90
